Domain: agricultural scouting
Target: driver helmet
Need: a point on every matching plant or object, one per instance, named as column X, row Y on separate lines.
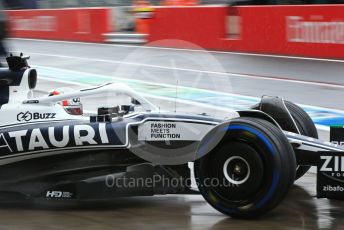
column 72, row 106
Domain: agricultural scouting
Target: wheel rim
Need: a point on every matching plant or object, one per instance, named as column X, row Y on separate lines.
column 236, row 170
column 246, row 183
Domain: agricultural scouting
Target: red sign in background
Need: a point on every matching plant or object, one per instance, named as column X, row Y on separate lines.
column 86, row 24
column 305, row 30
column 309, row 30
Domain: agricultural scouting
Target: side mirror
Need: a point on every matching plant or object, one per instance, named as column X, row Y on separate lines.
column 32, row 79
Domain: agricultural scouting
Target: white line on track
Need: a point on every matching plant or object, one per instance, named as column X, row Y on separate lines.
column 189, row 102
column 111, row 79
column 226, row 74
column 182, row 49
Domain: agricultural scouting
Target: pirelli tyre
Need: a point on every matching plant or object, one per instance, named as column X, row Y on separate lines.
column 305, row 125
column 249, row 172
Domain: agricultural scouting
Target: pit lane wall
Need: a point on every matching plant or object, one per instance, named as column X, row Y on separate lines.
column 309, row 30
column 305, row 30
column 74, row 24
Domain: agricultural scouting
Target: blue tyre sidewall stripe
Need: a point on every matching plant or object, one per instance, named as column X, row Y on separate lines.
column 272, row 151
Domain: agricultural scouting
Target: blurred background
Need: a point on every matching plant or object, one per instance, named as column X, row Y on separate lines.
column 46, row 4
column 199, row 56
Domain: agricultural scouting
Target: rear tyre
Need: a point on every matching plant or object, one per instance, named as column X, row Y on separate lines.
column 249, row 172
column 305, row 125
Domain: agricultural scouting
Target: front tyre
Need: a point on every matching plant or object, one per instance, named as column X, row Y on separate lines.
column 250, row 170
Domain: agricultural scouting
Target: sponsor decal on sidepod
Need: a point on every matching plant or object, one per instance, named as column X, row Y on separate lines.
column 28, row 116
column 53, row 137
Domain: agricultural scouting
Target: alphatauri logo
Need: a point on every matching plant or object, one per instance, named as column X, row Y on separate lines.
column 53, row 137
column 28, row 116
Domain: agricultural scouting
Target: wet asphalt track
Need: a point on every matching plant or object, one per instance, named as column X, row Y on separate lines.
column 300, row 210
column 309, row 82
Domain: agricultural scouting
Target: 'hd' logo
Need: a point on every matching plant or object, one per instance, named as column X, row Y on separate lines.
column 58, row 194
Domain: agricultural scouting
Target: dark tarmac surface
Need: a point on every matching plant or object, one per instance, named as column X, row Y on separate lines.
column 297, row 80
column 300, row 210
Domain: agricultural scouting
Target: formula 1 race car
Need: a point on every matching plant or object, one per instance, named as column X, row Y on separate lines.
column 243, row 166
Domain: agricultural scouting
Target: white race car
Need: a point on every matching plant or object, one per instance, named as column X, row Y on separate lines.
column 243, row 166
